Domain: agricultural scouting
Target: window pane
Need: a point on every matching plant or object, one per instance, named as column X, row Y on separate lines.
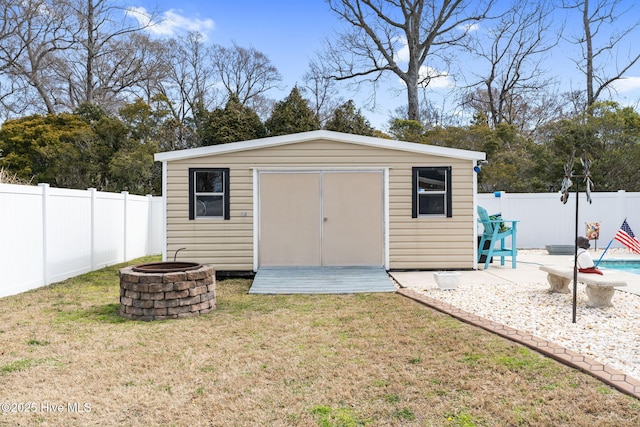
column 431, row 180
column 209, row 181
column 209, row 206
column 431, row 204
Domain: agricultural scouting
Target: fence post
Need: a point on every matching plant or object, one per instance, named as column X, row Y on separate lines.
column 149, row 223
column 45, row 231
column 92, row 193
column 125, row 199
column 501, row 196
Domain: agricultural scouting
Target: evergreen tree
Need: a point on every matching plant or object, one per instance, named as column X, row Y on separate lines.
column 233, row 123
column 46, row 149
column 407, row 130
column 109, row 135
column 292, row 115
column 610, row 135
column 82, row 150
column 346, row 118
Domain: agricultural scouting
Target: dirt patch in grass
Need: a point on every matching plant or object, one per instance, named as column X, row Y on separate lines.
column 310, row 360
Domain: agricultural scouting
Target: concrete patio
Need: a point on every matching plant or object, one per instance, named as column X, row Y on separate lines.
column 527, row 270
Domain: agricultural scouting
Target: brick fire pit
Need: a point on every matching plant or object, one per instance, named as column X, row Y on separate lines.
column 166, row 290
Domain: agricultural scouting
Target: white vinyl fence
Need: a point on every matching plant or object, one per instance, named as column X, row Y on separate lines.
column 544, row 220
column 51, row 234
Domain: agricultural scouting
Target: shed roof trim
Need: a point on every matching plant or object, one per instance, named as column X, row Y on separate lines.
column 317, row 135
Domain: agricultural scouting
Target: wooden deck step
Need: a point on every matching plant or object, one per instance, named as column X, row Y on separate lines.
column 321, row 280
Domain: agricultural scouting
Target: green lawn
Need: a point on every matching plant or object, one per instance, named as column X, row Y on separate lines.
column 300, row 360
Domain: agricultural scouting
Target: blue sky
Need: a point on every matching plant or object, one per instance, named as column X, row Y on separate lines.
column 290, row 32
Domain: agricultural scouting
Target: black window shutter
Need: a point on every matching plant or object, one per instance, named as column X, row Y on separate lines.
column 192, row 193
column 227, row 214
column 414, row 192
column 448, row 194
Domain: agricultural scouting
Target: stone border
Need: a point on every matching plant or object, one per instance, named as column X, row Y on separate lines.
column 160, row 296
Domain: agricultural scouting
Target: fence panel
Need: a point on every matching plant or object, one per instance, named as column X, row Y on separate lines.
column 137, row 233
column 68, row 233
column 50, row 234
column 544, row 220
column 21, row 240
column 156, row 225
column 108, row 240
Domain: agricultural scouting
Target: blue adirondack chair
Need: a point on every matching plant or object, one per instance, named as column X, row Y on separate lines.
column 496, row 230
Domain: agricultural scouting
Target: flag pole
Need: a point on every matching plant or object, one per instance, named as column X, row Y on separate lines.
column 605, row 251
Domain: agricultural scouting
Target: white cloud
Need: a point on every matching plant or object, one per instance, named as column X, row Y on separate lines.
column 171, row 22
column 470, row 28
column 436, row 79
column 439, row 79
column 402, row 54
column 627, row 84
column 433, row 79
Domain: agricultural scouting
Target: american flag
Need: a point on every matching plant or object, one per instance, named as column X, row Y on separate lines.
column 625, row 236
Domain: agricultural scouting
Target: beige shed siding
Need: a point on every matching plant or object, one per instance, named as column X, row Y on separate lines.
column 414, row 243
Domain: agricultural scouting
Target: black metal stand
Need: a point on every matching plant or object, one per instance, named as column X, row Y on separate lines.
column 575, row 258
column 566, row 183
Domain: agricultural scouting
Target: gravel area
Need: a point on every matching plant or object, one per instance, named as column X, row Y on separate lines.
column 610, row 335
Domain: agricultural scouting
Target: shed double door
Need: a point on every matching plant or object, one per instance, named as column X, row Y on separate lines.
column 324, row 218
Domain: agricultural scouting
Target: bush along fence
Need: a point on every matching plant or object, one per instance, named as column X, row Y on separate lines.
column 51, row 234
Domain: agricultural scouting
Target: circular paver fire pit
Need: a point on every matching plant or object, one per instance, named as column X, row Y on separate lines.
column 166, row 290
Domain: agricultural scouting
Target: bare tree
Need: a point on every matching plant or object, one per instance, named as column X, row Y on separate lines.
column 601, row 41
column 10, row 13
column 107, row 31
column 190, row 82
column 57, row 54
column 188, row 89
column 378, row 29
column 324, row 96
column 245, row 73
column 120, row 73
column 155, row 69
column 35, row 32
column 12, row 18
column 432, row 115
column 511, row 84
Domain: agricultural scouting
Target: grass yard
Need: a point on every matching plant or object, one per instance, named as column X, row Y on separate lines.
column 68, row 359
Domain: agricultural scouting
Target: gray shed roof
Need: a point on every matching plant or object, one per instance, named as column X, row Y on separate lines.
column 317, row 135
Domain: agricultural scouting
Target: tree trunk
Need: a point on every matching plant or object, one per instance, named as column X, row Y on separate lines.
column 411, row 81
column 45, row 98
column 588, row 38
column 91, row 46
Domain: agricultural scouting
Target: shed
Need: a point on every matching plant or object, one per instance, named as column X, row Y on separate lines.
column 321, row 198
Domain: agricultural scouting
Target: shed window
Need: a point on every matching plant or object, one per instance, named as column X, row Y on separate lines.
column 209, row 193
column 431, row 191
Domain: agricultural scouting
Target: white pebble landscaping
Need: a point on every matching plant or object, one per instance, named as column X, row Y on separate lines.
column 610, row 335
